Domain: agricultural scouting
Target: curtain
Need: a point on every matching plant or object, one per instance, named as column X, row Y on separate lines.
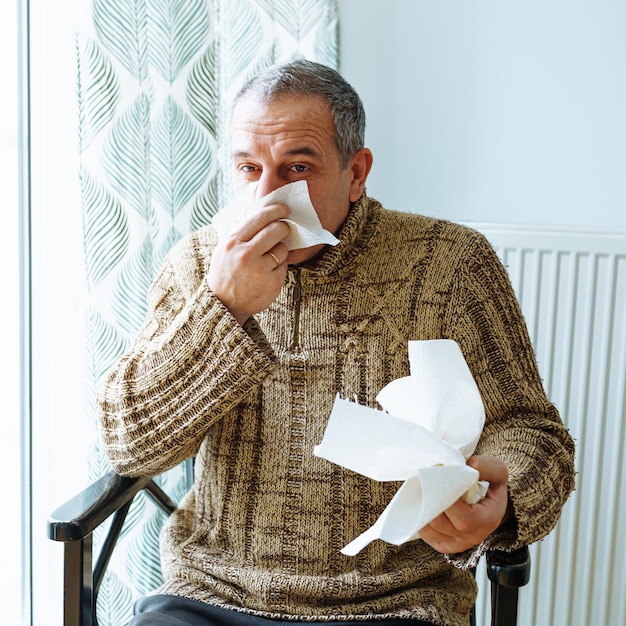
column 155, row 80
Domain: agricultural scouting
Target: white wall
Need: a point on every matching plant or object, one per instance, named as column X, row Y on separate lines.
column 494, row 110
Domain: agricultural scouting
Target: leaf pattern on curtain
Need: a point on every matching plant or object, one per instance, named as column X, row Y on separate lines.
column 241, row 38
column 98, row 92
column 126, row 158
column 205, row 205
column 105, row 229
column 178, row 30
column 155, row 81
column 181, row 158
column 202, row 90
column 129, row 294
column 325, row 45
column 105, row 346
column 116, row 601
column 297, row 17
column 121, row 26
column 143, row 562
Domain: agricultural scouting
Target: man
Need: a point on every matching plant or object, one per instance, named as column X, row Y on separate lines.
column 244, row 349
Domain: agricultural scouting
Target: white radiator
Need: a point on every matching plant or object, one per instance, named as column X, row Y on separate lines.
column 572, row 287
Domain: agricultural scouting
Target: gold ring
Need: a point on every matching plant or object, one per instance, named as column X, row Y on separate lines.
column 274, row 257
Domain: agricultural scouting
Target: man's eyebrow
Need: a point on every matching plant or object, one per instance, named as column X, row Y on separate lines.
column 304, row 151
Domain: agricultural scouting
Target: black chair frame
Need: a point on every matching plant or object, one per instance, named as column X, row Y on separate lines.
column 111, row 496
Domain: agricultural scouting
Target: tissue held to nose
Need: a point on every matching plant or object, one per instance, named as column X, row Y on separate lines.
column 304, row 224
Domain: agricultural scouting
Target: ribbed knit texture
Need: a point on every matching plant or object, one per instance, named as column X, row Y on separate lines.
column 262, row 529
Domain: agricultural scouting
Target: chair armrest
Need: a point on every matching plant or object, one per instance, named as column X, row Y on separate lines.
column 81, row 515
column 509, row 569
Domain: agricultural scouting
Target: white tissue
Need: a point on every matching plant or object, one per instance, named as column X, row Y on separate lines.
column 305, row 227
column 430, row 427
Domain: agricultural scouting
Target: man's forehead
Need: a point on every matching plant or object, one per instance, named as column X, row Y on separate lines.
column 294, row 127
column 252, row 107
column 290, row 149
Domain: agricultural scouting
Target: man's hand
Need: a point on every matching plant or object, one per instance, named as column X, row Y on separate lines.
column 248, row 267
column 464, row 526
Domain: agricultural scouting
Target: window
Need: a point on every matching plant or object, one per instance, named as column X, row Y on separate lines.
column 12, row 530
column 57, row 431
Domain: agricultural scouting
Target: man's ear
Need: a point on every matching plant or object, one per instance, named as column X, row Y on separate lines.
column 360, row 167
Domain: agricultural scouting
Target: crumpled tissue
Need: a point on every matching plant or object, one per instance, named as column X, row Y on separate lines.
column 304, row 224
column 430, row 426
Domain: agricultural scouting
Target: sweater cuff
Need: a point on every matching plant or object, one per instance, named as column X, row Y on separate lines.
column 505, row 538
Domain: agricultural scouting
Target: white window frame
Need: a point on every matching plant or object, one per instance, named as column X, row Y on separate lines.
column 58, row 432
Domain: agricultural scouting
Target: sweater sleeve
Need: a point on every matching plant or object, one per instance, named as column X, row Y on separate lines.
column 522, row 427
column 190, row 364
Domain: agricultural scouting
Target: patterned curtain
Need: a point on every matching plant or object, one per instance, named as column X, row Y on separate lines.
column 155, row 82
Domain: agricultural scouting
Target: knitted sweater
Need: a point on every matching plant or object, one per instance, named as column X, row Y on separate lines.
column 262, row 528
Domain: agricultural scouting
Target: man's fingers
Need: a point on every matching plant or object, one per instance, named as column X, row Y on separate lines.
column 248, row 267
column 461, row 517
column 490, row 468
column 463, row 526
column 260, row 220
column 269, row 237
column 278, row 254
column 442, row 536
column 442, row 525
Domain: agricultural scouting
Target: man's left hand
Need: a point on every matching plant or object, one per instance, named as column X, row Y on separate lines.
column 463, row 525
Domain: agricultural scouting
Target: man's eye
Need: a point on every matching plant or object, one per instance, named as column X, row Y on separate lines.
column 246, row 168
column 298, row 167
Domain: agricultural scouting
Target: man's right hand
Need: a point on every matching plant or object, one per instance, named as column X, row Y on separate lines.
column 244, row 274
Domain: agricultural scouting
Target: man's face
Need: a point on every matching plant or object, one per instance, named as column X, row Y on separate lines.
column 292, row 139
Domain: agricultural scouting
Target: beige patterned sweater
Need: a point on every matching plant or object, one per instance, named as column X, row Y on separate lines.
column 261, row 530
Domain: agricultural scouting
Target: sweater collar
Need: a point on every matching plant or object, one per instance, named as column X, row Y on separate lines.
column 353, row 237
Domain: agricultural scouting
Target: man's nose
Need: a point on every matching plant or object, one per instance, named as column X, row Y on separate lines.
column 267, row 182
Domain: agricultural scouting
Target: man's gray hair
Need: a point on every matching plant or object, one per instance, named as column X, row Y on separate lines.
column 306, row 78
